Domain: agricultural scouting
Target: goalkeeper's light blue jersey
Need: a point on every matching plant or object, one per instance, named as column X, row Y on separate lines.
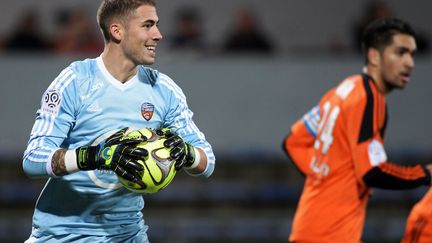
column 80, row 105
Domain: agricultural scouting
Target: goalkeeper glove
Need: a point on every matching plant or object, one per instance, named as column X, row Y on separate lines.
column 182, row 152
column 117, row 153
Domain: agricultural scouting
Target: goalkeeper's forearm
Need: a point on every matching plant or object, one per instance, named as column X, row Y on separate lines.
column 58, row 165
column 61, row 162
column 54, row 164
column 64, row 162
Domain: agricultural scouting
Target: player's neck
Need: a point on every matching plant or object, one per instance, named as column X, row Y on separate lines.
column 376, row 77
column 119, row 67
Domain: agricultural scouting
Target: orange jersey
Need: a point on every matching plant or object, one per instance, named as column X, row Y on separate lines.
column 335, row 145
column 419, row 223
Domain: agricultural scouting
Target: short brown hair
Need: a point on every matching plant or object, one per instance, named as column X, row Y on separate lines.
column 110, row 9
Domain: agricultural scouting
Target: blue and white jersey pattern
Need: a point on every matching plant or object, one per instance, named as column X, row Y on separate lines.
column 81, row 104
column 311, row 120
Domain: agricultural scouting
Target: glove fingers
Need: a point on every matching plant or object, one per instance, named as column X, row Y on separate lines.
column 133, row 141
column 115, row 138
column 134, row 152
column 170, row 133
column 130, row 176
column 129, row 164
column 160, row 132
column 165, row 132
column 173, row 141
column 134, row 136
column 179, row 164
column 176, row 153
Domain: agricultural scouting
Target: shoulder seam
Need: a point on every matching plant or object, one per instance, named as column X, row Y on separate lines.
column 366, row 128
column 171, row 85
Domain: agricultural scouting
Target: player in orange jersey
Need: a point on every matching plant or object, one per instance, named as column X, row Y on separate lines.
column 419, row 223
column 338, row 145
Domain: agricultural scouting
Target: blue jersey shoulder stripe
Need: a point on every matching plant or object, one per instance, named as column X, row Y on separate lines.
column 171, row 85
column 311, row 120
column 44, row 125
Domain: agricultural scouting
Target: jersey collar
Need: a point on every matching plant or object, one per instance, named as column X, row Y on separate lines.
column 115, row 82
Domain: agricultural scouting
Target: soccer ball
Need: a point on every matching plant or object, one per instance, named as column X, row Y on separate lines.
column 159, row 169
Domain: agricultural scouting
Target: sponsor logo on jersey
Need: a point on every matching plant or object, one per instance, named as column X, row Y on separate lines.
column 94, row 107
column 93, row 89
column 51, row 102
column 147, row 110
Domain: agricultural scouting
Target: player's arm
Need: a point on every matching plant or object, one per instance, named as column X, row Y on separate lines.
column 118, row 152
column 54, row 119
column 193, row 152
column 186, row 155
column 365, row 133
column 58, row 164
column 298, row 145
column 197, row 151
column 376, row 171
column 45, row 157
column 373, row 168
column 391, row 176
column 198, row 163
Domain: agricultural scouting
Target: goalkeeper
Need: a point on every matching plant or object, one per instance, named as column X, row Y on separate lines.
column 83, row 200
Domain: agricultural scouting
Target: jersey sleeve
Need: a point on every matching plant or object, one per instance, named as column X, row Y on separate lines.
column 179, row 119
column 367, row 119
column 53, row 121
column 298, row 145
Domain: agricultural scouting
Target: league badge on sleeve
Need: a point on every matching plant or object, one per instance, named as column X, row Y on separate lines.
column 147, row 110
column 377, row 154
column 51, row 102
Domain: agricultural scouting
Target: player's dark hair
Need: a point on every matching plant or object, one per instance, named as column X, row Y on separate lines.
column 121, row 9
column 379, row 33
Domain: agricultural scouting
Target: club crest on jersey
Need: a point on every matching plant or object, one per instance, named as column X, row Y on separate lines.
column 51, row 102
column 147, row 110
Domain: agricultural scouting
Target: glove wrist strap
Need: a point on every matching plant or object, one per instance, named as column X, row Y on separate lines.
column 196, row 161
column 86, row 157
column 70, row 161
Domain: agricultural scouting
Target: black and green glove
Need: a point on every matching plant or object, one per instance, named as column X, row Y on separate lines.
column 181, row 151
column 117, row 153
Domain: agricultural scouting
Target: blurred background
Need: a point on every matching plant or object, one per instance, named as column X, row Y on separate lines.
column 249, row 69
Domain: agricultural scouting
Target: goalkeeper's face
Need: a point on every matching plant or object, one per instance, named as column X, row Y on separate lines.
column 141, row 35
